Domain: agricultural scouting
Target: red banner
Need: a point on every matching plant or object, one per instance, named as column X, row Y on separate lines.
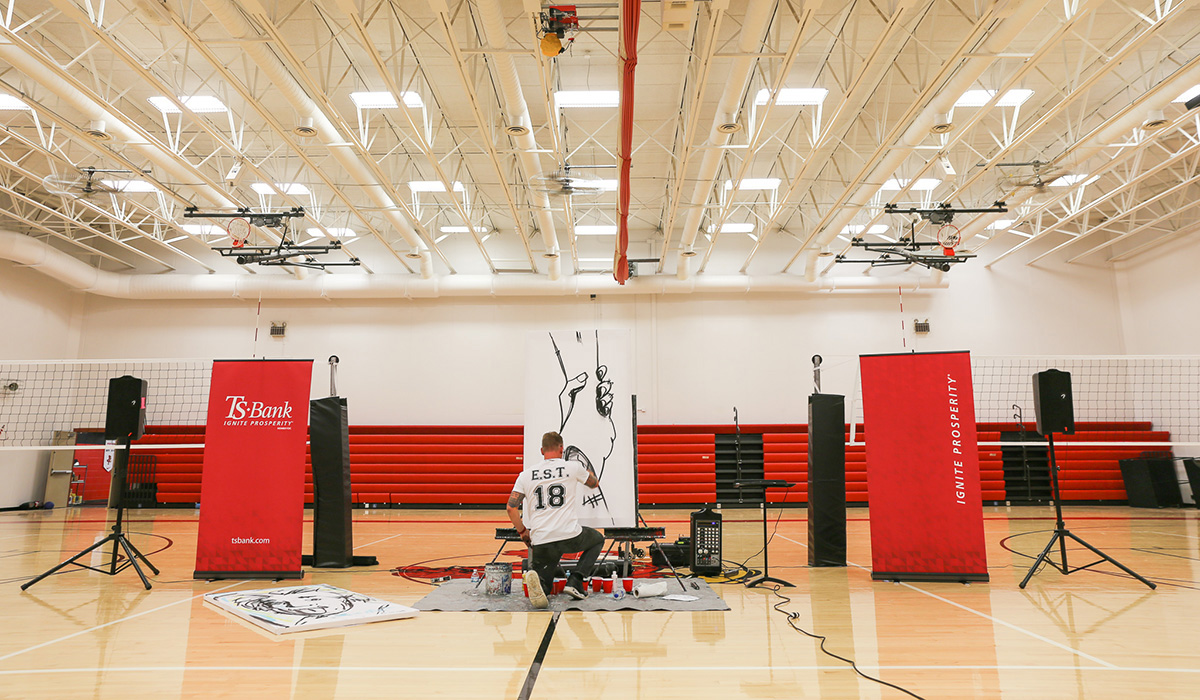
column 252, row 487
column 923, row 467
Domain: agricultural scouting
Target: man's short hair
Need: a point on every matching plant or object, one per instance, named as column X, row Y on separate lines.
column 552, row 441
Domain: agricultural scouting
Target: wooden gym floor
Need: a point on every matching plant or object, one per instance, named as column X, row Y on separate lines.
column 1093, row 634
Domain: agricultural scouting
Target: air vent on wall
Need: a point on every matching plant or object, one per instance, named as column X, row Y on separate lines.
column 278, row 329
column 677, row 15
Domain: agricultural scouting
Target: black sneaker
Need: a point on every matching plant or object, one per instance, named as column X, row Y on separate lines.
column 578, row 593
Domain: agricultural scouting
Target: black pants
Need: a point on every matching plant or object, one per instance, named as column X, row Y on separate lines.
column 545, row 557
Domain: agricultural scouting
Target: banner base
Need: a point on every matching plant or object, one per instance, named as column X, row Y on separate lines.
column 927, row 576
column 356, row 560
column 220, row 575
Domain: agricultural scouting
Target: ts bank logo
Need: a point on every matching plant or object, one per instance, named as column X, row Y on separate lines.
column 245, row 412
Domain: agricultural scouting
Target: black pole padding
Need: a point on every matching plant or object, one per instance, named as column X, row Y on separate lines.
column 329, row 438
column 826, row 480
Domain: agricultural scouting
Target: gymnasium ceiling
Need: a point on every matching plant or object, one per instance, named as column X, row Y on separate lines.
column 742, row 174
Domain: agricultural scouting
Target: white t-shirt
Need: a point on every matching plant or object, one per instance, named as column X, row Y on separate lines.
column 552, row 499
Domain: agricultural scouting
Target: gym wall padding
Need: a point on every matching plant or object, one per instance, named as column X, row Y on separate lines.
column 476, row 465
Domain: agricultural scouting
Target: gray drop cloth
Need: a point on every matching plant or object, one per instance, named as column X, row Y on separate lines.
column 460, row 595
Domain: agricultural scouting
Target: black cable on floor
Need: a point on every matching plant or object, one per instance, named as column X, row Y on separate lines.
column 793, row 616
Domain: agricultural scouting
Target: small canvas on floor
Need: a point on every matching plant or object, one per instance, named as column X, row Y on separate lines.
column 312, row 607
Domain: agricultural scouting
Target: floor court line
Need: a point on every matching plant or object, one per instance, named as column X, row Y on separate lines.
column 994, row 620
column 113, row 622
column 385, row 539
column 580, row 669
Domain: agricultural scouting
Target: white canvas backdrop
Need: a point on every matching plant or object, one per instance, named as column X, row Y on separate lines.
column 580, row 383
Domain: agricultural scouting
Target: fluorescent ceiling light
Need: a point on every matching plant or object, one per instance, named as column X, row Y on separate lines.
column 586, row 98
column 755, row 183
column 606, row 185
column 855, row 229
column 978, row 98
column 734, row 228
column 791, row 97
column 10, row 103
column 374, row 100
column 1071, row 180
column 129, row 185
column 432, row 186
column 923, row 184
column 1192, row 92
column 291, row 188
column 463, row 229
column 334, row 232
column 203, row 229
column 1001, row 224
column 199, row 104
column 595, row 229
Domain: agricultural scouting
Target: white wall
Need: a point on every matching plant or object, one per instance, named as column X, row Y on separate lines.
column 1160, row 291
column 39, row 319
column 461, row 361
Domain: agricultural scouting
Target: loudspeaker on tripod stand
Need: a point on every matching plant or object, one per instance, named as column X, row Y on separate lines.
column 1052, row 402
column 126, row 416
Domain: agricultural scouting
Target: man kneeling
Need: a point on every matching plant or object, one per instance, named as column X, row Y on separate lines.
column 551, row 526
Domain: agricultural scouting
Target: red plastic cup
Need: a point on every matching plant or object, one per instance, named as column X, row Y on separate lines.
column 559, row 585
column 596, row 584
column 628, row 584
column 607, row 583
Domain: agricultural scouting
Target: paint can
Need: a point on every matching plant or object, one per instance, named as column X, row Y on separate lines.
column 498, row 578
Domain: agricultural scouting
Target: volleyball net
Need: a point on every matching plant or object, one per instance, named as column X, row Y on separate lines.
column 1148, row 402
column 39, row 398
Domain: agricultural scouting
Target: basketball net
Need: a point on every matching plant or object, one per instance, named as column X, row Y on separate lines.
column 948, row 236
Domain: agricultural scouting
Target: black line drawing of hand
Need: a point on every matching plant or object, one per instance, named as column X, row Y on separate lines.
column 589, row 433
column 571, row 388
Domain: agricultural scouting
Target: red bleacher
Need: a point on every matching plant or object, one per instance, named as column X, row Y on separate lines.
column 476, row 465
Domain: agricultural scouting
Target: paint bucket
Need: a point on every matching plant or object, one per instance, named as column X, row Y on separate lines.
column 498, row 578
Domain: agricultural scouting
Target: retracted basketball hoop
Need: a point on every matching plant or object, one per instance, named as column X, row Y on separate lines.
column 948, row 237
column 239, row 231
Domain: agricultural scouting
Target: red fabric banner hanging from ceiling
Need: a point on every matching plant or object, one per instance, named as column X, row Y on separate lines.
column 923, row 467
column 252, row 486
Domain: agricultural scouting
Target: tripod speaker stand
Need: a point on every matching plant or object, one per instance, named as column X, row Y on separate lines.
column 124, row 421
column 766, row 484
column 119, row 541
column 1062, row 534
column 1054, row 411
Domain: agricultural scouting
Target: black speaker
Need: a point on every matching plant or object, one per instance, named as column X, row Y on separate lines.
column 1192, row 468
column 126, row 417
column 1052, row 403
column 1151, row 483
column 826, row 480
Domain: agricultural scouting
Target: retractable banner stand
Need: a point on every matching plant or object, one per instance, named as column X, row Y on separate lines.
column 252, row 487
column 923, row 467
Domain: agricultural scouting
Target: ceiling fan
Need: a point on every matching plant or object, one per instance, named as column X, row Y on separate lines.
column 1039, row 176
column 562, row 183
column 86, row 183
